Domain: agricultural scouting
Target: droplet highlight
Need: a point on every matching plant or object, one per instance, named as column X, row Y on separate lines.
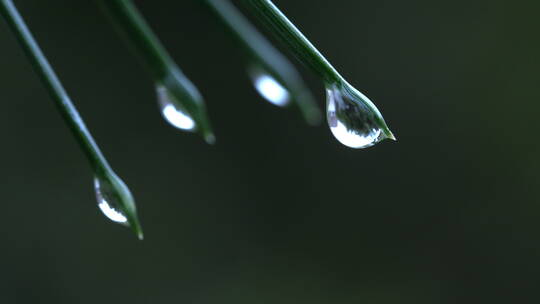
column 269, row 88
column 108, row 201
column 353, row 119
column 172, row 112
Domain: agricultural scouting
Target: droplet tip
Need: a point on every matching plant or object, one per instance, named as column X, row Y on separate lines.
column 138, row 230
column 136, row 227
column 391, row 136
column 210, row 139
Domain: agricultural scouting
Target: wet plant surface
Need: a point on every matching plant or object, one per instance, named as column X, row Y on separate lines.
column 278, row 211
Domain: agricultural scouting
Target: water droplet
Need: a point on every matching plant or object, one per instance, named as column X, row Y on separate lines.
column 353, row 118
column 171, row 110
column 116, row 202
column 269, row 88
column 109, row 202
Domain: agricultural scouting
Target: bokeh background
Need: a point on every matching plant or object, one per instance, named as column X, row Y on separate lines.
column 277, row 211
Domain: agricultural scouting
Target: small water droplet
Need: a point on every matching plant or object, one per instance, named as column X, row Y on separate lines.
column 109, row 202
column 352, row 117
column 171, row 111
column 115, row 200
column 269, row 88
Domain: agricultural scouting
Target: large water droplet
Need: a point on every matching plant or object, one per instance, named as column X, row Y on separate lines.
column 269, row 88
column 109, row 201
column 171, row 111
column 353, row 119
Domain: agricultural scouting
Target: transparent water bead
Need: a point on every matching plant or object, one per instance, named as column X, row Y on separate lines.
column 115, row 201
column 172, row 112
column 353, row 118
column 269, row 88
column 108, row 202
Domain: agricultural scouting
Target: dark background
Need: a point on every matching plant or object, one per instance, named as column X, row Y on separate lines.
column 276, row 211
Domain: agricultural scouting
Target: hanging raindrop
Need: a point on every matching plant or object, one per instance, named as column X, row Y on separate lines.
column 108, row 202
column 353, row 119
column 171, row 110
column 116, row 202
column 269, row 88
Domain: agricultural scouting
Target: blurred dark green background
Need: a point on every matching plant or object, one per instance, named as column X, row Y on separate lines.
column 276, row 211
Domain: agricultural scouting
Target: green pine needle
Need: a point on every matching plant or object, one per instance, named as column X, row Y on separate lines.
column 102, row 170
column 164, row 70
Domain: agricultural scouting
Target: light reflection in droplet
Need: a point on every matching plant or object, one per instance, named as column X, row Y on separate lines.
column 352, row 122
column 171, row 112
column 112, row 214
column 178, row 118
column 351, row 139
column 106, row 203
column 271, row 89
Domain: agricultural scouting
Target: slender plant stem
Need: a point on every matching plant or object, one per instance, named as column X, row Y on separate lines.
column 158, row 61
column 99, row 164
column 133, row 25
column 54, row 86
column 268, row 56
column 303, row 49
